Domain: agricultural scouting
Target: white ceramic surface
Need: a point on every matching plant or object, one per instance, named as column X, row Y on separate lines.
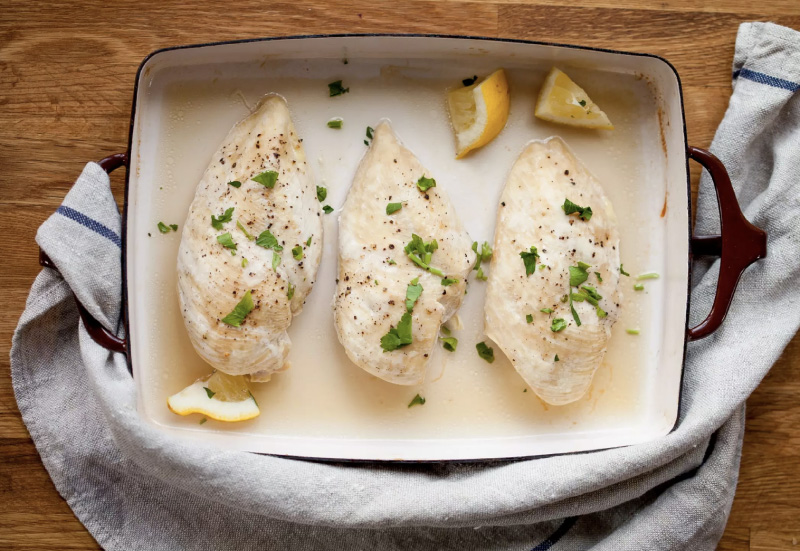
column 326, row 407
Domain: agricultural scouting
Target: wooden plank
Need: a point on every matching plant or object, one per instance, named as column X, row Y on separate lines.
column 782, row 540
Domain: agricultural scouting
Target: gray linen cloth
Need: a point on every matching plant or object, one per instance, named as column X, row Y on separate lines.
column 136, row 488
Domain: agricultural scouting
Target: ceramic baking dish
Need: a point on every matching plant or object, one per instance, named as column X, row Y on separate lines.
column 187, row 98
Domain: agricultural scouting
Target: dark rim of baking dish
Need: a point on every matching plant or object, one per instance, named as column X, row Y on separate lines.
column 689, row 259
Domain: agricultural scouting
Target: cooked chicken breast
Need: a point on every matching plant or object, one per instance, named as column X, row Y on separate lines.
column 278, row 272
column 375, row 270
column 531, row 214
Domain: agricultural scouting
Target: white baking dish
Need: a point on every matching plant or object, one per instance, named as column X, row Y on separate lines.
column 186, row 100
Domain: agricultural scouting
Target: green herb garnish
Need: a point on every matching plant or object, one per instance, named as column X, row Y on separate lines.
column 308, row 242
column 622, row 271
column 546, row 310
column 240, row 311
column 297, row 252
column 444, row 330
column 485, row 352
column 578, row 274
column 542, row 267
column 638, row 287
column 226, row 240
column 599, row 278
column 632, row 331
column 290, row 291
column 226, row 216
column 322, row 193
column 399, row 336
column 391, row 261
column 268, row 241
column 480, row 275
column 246, row 233
column 370, row 131
column 574, row 313
column 391, row 208
column 235, row 183
column 424, row 184
column 450, row 343
column 484, row 255
column 244, row 262
column 469, row 81
column 556, row 358
column 529, row 259
column 266, row 178
column 209, row 392
column 584, row 213
column 276, row 260
column 327, row 209
column 413, row 291
column 163, row 228
column 417, row 401
column 335, row 123
column 203, row 420
column 529, row 318
column 557, row 325
column 649, row 275
column 582, row 102
column 335, row 88
column 447, row 281
column 421, row 253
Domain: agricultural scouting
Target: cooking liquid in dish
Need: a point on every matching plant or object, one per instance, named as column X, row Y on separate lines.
column 323, row 394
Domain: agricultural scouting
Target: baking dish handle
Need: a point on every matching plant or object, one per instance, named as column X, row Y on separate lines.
column 739, row 245
column 97, row 332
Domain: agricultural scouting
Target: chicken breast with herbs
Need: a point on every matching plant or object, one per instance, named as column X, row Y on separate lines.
column 403, row 262
column 250, row 246
column 552, row 294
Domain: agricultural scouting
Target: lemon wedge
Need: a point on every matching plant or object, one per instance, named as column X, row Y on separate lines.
column 564, row 102
column 219, row 396
column 479, row 112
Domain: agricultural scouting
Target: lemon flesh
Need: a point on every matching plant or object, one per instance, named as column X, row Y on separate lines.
column 228, row 398
column 479, row 112
column 564, row 102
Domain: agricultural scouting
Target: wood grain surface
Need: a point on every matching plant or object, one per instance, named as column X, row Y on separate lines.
column 66, row 76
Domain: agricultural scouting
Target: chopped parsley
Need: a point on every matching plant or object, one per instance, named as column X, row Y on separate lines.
column 584, row 213
column 529, row 258
column 546, row 310
column 399, row 336
column 327, row 209
column 391, row 261
column 290, row 292
column 557, row 325
column 622, row 271
column 421, row 253
column 578, row 274
column 210, row 393
column 632, row 331
column 335, row 88
column 529, row 318
column 335, row 123
column 276, row 260
column 417, row 401
column 246, row 233
column 638, row 287
column 370, row 131
column 297, row 252
column 308, row 242
column 424, row 184
column 600, row 312
column 235, row 183
column 480, row 275
column 542, row 267
column 227, row 216
column 163, row 228
column 240, row 311
column 266, row 178
column 564, row 298
column 649, row 275
column 391, row 208
column 447, row 281
column 556, row 358
column 574, row 313
column 450, row 343
column 226, row 240
column 469, row 81
column 244, row 262
column 268, row 241
column 413, row 291
column 484, row 255
column 485, row 352
column 599, row 277
column 322, row 193
column 582, row 102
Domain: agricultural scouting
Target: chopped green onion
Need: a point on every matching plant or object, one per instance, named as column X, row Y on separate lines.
column 638, row 287
column 335, row 123
column 622, row 271
column 649, row 275
column 632, row 331
column 546, row 310
column 450, row 343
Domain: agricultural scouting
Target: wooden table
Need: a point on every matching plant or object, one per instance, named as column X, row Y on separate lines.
column 66, row 78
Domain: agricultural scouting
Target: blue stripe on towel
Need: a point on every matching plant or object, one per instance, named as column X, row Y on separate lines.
column 761, row 78
column 90, row 223
column 560, row 532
